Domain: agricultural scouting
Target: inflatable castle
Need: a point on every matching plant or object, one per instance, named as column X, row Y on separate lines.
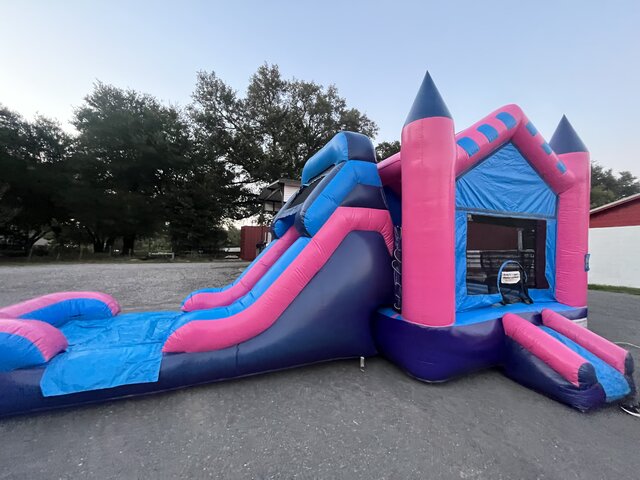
column 461, row 252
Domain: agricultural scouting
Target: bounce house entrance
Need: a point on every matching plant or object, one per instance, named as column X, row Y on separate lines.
column 492, row 241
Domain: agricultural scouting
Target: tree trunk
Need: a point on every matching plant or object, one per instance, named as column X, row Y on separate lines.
column 96, row 240
column 98, row 245
column 31, row 242
column 127, row 244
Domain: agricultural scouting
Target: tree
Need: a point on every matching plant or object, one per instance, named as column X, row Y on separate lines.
column 606, row 187
column 32, row 162
column 130, row 150
column 386, row 149
column 269, row 132
column 7, row 212
column 197, row 207
column 233, row 236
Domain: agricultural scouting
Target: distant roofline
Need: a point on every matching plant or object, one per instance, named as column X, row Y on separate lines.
column 285, row 181
column 290, row 181
column 616, row 203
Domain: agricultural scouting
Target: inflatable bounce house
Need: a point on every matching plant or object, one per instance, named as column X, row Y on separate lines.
column 459, row 253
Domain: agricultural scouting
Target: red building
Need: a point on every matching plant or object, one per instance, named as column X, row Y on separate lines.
column 252, row 240
column 621, row 213
column 614, row 243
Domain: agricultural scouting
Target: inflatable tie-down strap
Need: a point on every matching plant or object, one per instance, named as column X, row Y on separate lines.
column 565, row 361
column 28, row 330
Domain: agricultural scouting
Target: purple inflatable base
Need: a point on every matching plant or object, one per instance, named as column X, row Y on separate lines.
column 437, row 354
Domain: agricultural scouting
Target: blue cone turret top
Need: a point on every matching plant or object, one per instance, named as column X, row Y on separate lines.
column 565, row 139
column 428, row 102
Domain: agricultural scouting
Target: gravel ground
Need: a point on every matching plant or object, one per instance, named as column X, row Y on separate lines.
column 136, row 285
column 324, row 421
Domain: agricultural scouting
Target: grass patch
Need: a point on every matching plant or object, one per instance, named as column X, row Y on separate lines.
column 613, row 288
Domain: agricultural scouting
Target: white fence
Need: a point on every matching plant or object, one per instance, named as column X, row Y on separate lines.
column 615, row 256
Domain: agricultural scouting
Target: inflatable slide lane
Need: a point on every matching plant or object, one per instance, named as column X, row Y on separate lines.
column 220, row 297
column 358, row 175
column 566, row 361
column 308, row 298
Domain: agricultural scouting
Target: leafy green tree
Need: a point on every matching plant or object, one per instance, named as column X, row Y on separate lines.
column 32, row 162
column 269, row 132
column 138, row 168
column 7, row 212
column 130, row 150
column 606, row 187
column 233, row 236
column 196, row 208
column 206, row 194
column 386, row 149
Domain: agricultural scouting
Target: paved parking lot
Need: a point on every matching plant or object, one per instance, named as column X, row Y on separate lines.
column 323, row 421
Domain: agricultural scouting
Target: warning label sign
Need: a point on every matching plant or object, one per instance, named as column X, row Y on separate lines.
column 510, row 278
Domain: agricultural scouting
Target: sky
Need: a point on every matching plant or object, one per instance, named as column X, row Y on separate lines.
column 580, row 58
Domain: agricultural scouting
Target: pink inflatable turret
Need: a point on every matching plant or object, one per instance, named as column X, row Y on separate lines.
column 428, row 202
column 573, row 217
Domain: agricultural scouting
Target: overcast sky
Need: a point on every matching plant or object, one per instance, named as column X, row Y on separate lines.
column 581, row 58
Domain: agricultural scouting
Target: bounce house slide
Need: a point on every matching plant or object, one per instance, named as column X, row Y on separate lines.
column 308, row 298
column 219, row 297
column 565, row 361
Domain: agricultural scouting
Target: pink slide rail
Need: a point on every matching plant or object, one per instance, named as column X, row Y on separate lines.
column 552, row 352
column 206, row 300
column 24, row 308
column 207, row 335
column 47, row 339
column 609, row 352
